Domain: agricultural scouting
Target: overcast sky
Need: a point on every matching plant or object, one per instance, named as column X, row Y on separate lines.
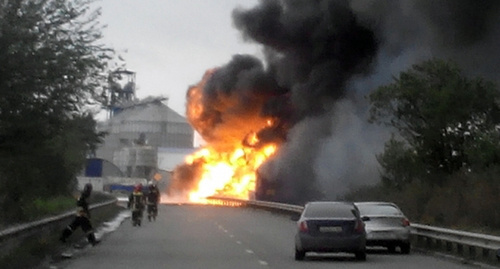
column 170, row 43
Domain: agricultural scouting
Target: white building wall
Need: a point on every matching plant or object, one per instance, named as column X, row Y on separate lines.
column 97, row 183
column 169, row 158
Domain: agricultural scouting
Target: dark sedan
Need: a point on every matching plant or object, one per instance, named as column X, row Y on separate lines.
column 330, row 227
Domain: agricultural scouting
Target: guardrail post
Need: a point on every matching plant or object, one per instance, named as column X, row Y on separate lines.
column 420, row 240
column 438, row 244
column 486, row 253
column 460, row 249
column 472, row 252
column 428, row 242
column 449, row 246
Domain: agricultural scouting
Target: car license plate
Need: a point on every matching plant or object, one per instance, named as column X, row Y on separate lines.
column 381, row 235
column 330, row 229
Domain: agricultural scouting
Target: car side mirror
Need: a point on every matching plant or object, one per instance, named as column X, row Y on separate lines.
column 365, row 218
column 295, row 217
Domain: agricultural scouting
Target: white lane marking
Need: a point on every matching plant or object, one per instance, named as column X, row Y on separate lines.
column 264, row 263
column 222, row 228
column 238, row 242
column 231, row 235
column 249, row 251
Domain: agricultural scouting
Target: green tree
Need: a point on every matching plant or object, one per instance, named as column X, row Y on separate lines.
column 400, row 163
column 446, row 119
column 52, row 68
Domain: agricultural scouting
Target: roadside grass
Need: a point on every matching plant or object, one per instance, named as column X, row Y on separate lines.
column 40, row 208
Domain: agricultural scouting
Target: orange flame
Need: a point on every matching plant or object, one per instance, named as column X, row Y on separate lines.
column 230, row 174
column 229, row 162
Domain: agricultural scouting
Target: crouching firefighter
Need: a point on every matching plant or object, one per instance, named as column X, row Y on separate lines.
column 82, row 218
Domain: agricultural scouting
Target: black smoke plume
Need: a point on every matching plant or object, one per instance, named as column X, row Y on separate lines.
column 321, row 58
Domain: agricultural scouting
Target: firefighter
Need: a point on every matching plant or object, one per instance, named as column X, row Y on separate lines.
column 136, row 202
column 82, row 218
column 153, row 198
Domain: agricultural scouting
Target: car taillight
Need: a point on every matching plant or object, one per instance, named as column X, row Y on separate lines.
column 359, row 227
column 405, row 222
column 303, row 226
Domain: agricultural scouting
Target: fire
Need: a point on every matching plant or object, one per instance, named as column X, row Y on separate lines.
column 226, row 174
column 229, row 118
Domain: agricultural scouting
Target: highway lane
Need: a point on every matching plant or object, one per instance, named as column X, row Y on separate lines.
column 189, row 236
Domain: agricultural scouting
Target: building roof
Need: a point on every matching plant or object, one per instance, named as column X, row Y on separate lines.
column 152, row 111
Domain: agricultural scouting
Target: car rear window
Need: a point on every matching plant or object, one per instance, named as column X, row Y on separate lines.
column 378, row 209
column 326, row 210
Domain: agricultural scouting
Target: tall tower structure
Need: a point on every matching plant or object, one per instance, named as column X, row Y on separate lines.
column 121, row 91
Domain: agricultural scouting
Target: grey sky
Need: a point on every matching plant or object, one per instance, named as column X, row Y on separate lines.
column 170, row 43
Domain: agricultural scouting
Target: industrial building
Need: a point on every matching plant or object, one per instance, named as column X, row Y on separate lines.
column 145, row 138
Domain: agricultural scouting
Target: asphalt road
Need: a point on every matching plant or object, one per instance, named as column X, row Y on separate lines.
column 192, row 237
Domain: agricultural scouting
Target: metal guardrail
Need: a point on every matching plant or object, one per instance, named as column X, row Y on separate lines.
column 13, row 231
column 466, row 245
column 286, row 208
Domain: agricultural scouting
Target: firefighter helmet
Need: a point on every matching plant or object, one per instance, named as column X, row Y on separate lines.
column 138, row 187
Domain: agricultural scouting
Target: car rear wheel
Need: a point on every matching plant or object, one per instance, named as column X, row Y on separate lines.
column 360, row 256
column 405, row 248
column 299, row 255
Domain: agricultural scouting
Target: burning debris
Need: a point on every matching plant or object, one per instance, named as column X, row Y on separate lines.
column 296, row 119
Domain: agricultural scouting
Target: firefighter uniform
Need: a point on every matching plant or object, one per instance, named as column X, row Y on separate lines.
column 82, row 218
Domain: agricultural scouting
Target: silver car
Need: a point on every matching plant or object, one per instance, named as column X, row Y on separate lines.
column 385, row 225
column 330, row 227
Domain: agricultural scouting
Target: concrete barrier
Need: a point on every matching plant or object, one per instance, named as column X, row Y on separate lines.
column 12, row 237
